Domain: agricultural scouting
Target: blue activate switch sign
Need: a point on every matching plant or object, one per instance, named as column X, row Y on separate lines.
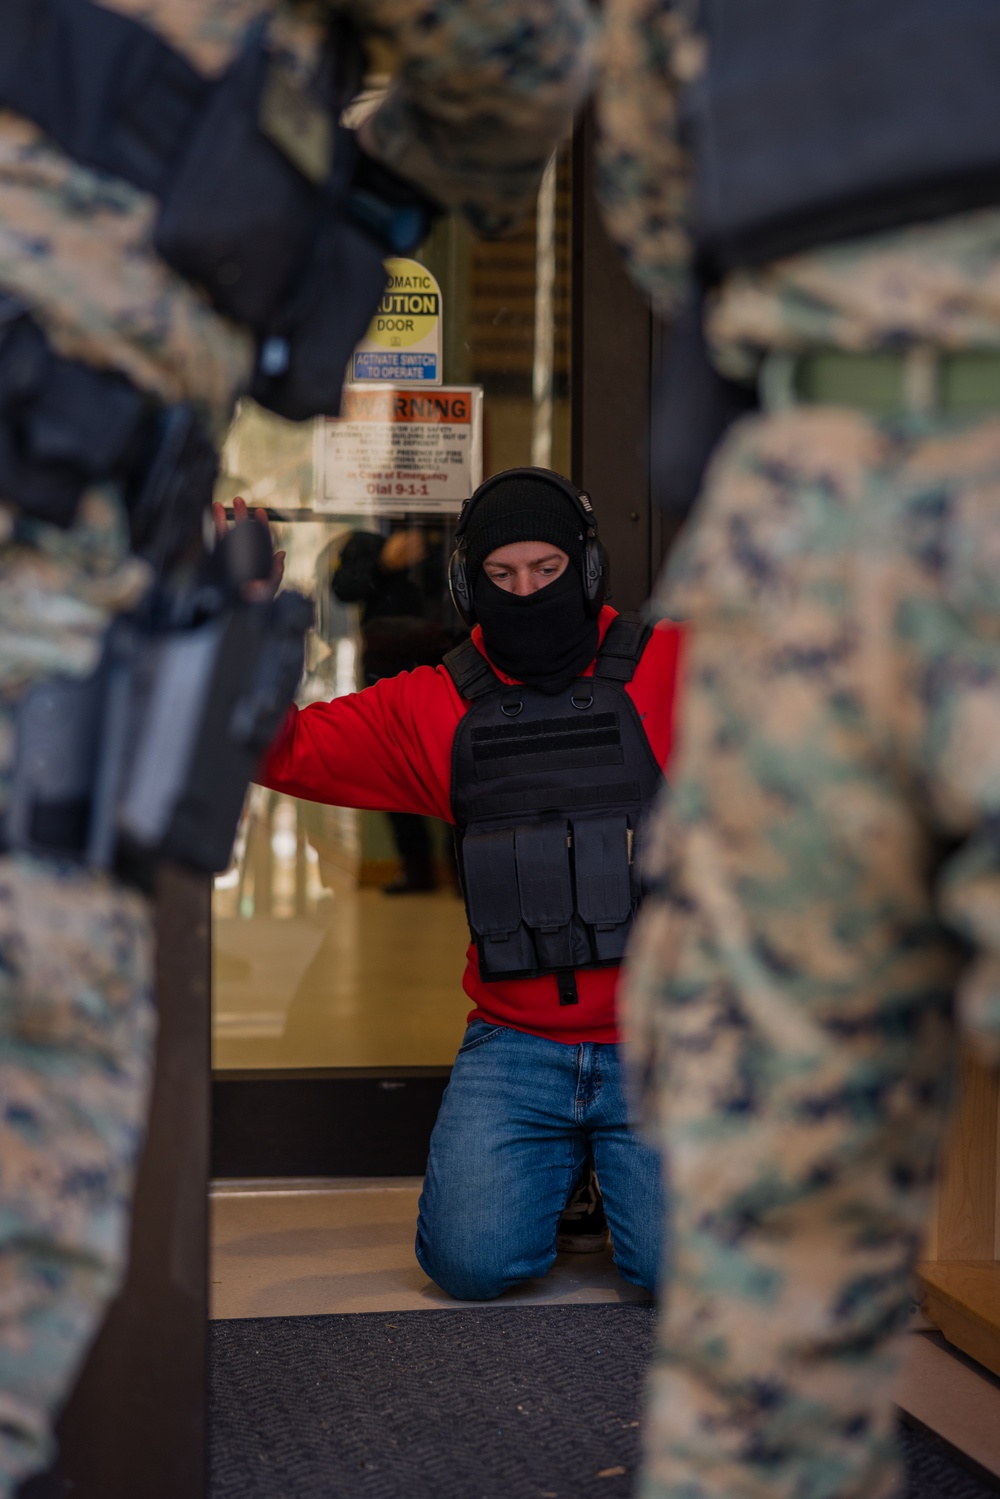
column 396, row 364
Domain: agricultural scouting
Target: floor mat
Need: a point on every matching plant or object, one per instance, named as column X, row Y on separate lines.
column 935, row 1471
column 486, row 1403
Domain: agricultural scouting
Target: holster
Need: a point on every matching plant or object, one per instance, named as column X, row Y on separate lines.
column 266, row 201
column 151, row 755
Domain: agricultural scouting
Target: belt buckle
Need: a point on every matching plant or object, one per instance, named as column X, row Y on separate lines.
column 776, row 381
column 921, row 379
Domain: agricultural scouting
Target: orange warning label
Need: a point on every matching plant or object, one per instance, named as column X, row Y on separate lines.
column 400, row 449
column 362, row 404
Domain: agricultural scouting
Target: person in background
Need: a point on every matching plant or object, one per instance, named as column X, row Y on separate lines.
column 542, row 739
column 827, row 884
column 399, row 631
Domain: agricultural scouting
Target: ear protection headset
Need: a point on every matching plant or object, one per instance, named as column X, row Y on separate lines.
column 596, row 566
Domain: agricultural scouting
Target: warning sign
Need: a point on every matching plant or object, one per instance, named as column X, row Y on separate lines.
column 403, row 341
column 400, row 450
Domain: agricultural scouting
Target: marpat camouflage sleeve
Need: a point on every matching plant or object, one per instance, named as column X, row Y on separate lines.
column 486, row 91
column 648, row 50
column 832, row 832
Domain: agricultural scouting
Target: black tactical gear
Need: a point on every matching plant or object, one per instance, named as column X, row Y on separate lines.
column 819, row 120
column 64, row 426
column 265, row 199
column 812, row 122
column 150, row 756
column 548, row 795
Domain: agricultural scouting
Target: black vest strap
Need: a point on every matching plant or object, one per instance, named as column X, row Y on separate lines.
column 566, row 981
column 105, row 87
column 471, row 673
column 621, row 651
column 622, row 648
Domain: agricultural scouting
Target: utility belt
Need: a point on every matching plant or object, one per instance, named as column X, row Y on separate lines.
column 694, row 405
column 151, row 755
column 919, row 380
column 266, row 201
column 807, row 124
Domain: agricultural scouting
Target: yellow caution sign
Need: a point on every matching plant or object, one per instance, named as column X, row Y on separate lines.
column 403, row 342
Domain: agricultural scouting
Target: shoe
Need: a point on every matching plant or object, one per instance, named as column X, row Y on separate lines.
column 583, row 1228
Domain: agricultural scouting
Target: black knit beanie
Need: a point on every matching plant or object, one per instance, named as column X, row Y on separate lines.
column 524, row 507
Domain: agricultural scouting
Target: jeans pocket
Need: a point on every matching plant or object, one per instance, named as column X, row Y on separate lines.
column 478, row 1033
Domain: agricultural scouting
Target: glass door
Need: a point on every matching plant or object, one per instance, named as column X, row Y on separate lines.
column 339, row 936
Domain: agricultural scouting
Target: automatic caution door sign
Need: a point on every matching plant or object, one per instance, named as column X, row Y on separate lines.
column 400, row 449
column 403, row 341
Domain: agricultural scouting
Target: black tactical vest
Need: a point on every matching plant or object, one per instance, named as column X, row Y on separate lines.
column 548, row 792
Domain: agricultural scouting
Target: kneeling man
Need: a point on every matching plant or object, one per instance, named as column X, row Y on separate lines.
column 542, row 740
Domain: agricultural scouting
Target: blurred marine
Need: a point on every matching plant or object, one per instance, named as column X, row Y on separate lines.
column 818, row 184
column 183, row 218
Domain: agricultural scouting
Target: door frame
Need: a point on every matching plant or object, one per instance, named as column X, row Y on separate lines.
column 615, row 343
column 136, row 1422
column 378, row 1121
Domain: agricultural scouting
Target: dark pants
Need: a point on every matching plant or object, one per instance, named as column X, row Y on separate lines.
column 412, row 836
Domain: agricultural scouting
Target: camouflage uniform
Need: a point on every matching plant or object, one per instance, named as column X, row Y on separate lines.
column 483, row 94
column 827, row 863
column 76, row 1014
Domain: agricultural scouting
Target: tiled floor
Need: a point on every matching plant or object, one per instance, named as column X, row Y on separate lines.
column 284, row 1249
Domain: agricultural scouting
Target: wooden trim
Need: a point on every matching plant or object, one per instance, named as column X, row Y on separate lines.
column 963, row 1300
column 968, row 1202
column 136, row 1424
column 960, row 1276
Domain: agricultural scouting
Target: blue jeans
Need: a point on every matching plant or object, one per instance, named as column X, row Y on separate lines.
column 511, row 1142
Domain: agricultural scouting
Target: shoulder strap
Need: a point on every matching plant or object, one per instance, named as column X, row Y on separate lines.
column 622, row 648
column 471, row 673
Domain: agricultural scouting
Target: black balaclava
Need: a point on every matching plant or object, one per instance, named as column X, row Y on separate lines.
column 546, row 638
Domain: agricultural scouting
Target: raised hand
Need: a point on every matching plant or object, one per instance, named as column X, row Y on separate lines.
column 268, row 587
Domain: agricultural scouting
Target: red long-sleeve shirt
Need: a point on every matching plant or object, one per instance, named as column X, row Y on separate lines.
column 388, row 749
